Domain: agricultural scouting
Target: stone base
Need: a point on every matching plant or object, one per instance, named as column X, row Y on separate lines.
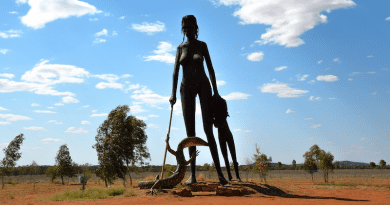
column 213, row 189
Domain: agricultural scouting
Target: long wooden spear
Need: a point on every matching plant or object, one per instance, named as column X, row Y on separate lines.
column 166, row 146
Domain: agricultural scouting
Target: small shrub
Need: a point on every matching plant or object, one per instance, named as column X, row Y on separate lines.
column 130, row 193
column 12, row 197
column 179, row 186
column 116, row 192
column 13, row 183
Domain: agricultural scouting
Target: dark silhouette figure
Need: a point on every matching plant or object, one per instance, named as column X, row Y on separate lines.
column 190, row 56
column 220, row 113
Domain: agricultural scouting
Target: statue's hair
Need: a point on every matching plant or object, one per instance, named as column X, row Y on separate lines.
column 192, row 19
column 219, row 112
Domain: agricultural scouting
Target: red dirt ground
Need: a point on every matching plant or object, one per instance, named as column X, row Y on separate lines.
column 282, row 193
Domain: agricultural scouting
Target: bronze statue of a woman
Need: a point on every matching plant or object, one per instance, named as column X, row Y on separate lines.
column 190, row 55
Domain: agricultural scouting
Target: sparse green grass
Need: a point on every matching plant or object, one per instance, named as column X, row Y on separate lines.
column 92, row 193
column 12, row 197
column 178, row 186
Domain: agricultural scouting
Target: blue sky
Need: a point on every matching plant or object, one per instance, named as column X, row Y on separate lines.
column 294, row 74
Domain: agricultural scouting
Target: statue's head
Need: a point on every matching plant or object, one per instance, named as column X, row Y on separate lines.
column 189, row 20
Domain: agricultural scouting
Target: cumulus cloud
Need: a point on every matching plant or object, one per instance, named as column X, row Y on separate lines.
column 256, row 56
column 5, row 123
column 136, row 109
column 327, row 78
column 312, row 98
column 114, row 33
column 319, row 62
column 388, row 18
column 69, row 99
column 149, row 28
column 35, row 105
column 236, row 96
column 312, row 82
column 103, row 85
column 43, row 111
column 141, row 117
column 99, row 115
column 99, row 40
column 289, row 111
column 73, row 130
column 301, row 77
column 153, row 116
column 11, row 33
column 45, row 11
column 220, row 82
column 4, row 51
column 280, row 68
column 316, row 126
column 86, row 106
column 11, row 117
column 283, row 90
column 33, row 128
column 94, row 111
column 1, row 109
column 146, row 96
column 55, row 121
column 59, row 104
column 162, row 53
column 85, row 122
column 337, row 60
column 102, row 33
column 7, row 75
column 21, row 1
column 288, row 18
column 122, row 17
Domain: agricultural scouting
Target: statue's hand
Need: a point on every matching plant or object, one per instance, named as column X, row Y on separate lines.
column 172, row 100
column 167, row 139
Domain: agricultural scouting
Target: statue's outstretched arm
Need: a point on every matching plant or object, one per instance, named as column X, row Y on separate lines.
column 193, row 157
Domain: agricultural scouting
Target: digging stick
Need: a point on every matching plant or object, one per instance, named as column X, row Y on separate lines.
column 166, row 146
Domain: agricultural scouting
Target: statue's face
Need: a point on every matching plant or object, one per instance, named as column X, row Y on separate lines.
column 189, row 29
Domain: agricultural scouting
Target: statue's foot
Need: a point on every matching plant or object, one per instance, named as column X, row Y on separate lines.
column 239, row 180
column 222, row 181
column 190, row 181
column 230, row 178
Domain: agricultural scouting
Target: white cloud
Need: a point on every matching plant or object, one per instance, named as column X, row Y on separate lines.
column 85, row 122
column 86, row 106
column 55, row 121
column 355, row 73
column 288, row 19
column 370, row 56
column 283, row 90
column 59, row 104
column 247, row 130
column 162, row 53
column 312, row 98
column 149, row 28
column 5, row 123
column 146, row 96
column 312, row 82
column 362, row 138
column 289, row 111
column 11, row 33
column 7, row 75
column 374, row 93
column 350, row 79
column 73, row 130
column 237, row 130
column 114, row 33
column 280, row 68
column 141, row 117
column 126, row 76
column 122, row 17
column 1, row 109
column 236, row 96
column 316, row 126
column 336, row 60
column 327, row 78
column 301, row 77
column 319, row 62
column 94, row 19
column 388, row 18
column 256, row 56
column 108, row 77
column 99, row 40
column 4, row 51
column 332, row 98
column 152, row 126
column 94, row 111
column 107, row 14
column 174, row 128
column 372, row 72
column 99, row 115
column 136, row 109
column 51, row 140
column 35, row 105
column 102, row 33
column 33, row 128
column 55, row 73
column 43, row 111
column 220, row 82
column 103, row 85
column 153, row 116
column 45, row 11
column 69, row 99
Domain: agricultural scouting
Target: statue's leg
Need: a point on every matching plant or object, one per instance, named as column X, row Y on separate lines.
column 222, row 144
column 232, row 148
column 205, row 98
column 188, row 105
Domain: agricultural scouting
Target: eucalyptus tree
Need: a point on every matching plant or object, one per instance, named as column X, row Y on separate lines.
column 11, row 155
column 383, row 164
column 294, row 164
column 64, row 163
column 121, row 142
